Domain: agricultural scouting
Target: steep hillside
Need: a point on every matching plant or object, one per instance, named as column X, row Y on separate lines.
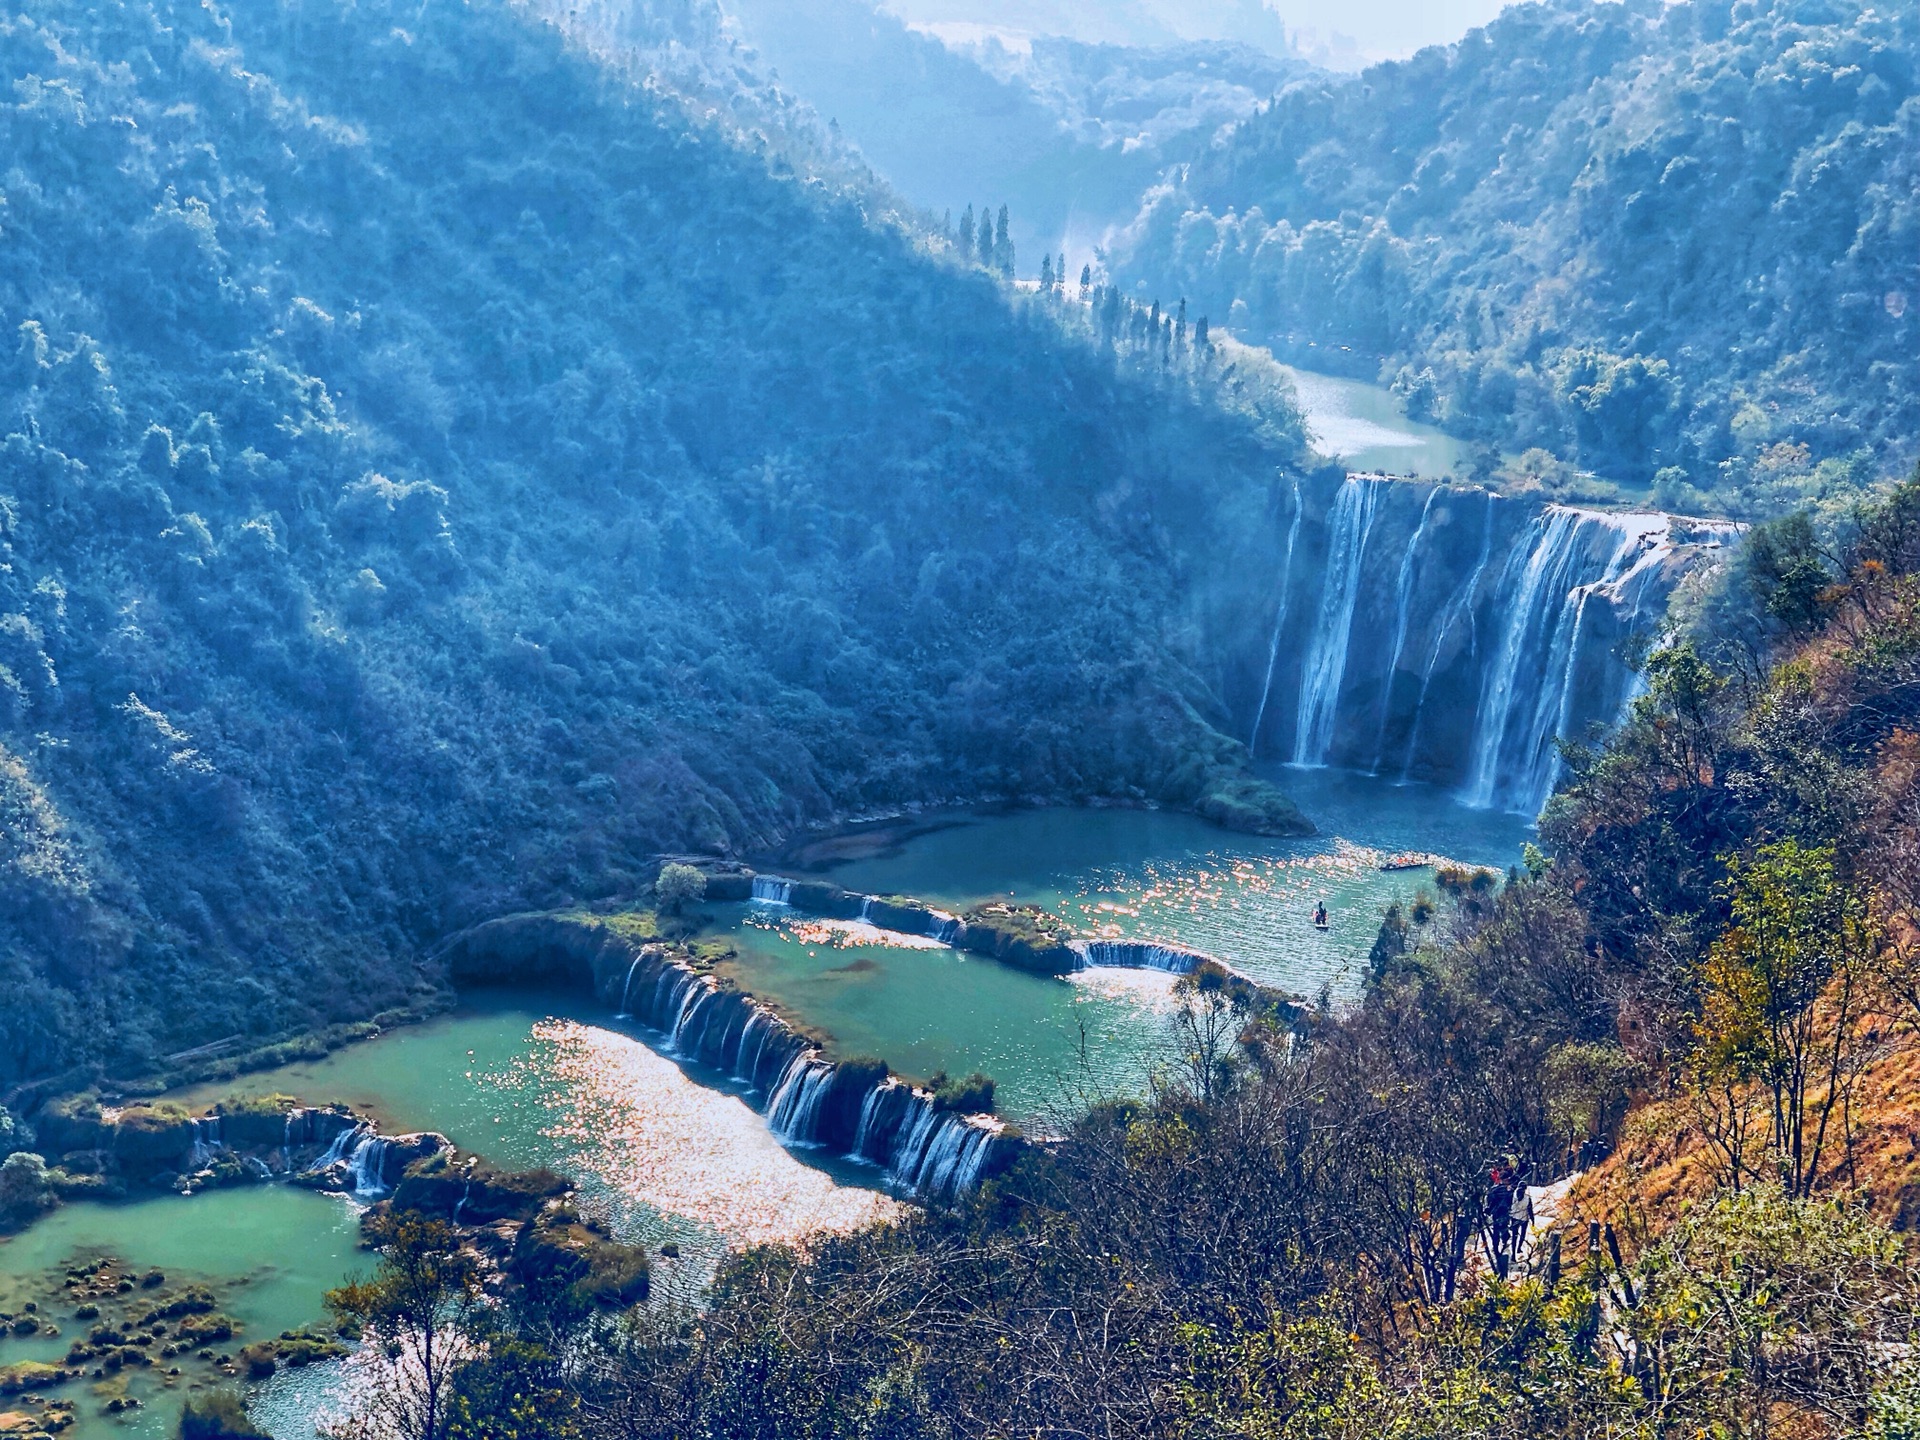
column 1653, row 238
column 439, row 474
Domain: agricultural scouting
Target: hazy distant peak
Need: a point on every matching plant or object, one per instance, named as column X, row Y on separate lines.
column 1336, row 34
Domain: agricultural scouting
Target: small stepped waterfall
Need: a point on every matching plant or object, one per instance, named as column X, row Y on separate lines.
column 809, row 1101
column 207, row 1140
column 1142, row 955
column 1445, row 634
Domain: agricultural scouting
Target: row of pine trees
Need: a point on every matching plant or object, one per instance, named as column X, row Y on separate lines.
column 1121, row 322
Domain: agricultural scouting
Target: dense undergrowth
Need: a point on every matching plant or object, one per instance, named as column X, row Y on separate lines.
column 442, row 472
column 1290, row 1236
column 1658, row 240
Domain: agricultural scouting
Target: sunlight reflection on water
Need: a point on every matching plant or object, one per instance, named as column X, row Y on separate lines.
column 637, row 1126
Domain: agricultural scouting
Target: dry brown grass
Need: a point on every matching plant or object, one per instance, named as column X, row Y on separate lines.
column 1664, row 1161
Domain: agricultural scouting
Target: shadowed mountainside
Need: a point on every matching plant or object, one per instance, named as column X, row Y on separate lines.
column 439, row 475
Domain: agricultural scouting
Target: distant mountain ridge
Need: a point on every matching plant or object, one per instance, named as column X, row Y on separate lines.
column 1067, row 134
column 1680, row 239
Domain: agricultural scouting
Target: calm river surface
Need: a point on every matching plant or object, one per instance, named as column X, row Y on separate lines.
column 1364, row 427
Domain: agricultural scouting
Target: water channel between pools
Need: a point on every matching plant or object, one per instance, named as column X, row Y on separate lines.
column 529, row 1079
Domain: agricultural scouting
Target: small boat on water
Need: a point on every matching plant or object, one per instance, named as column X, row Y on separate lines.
column 1414, row 860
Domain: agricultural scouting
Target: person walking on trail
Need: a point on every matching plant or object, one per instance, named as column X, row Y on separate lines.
column 1520, row 1219
column 1499, row 1207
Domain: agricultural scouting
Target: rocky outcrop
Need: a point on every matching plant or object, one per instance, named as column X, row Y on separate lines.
column 473, row 1192
column 1020, row 936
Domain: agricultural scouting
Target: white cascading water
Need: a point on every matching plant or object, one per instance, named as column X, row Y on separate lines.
column 1461, row 604
column 973, row 1159
column 368, row 1167
column 1644, row 545
column 625, row 1013
column 1279, row 619
column 341, row 1147
column 206, row 1140
column 910, row 1146
column 942, row 1155
column 869, row 1108
column 1140, row 955
column 942, row 926
column 699, row 996
column 1402, row 598
column 771, row 889
column 1348, row 529
column 687, row 989
column 1527, row 694
column 794, row 1111
column 753, row 1042
column 663, row 991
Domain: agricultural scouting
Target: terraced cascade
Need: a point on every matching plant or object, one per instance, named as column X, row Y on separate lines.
column 806, row 1064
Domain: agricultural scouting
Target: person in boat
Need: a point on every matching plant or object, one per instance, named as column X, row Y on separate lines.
column 1320, row 915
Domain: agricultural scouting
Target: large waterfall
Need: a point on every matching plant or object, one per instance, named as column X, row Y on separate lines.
column 1528, row 699
column 1446, row 634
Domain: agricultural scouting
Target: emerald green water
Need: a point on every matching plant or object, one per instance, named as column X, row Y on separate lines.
column 1140, row 874
column 532, row 1080
column 269, row 1253
column 1051, row 1044
column 1145, row 874
column 524, row 1080
column 529, row 1080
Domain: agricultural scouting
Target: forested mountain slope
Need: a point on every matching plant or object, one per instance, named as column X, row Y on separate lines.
column 439, row 475
column 1652, row 237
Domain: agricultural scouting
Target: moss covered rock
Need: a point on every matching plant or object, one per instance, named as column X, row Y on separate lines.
column 32, row 1375
column 1252, row 806
column 559, row 1249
